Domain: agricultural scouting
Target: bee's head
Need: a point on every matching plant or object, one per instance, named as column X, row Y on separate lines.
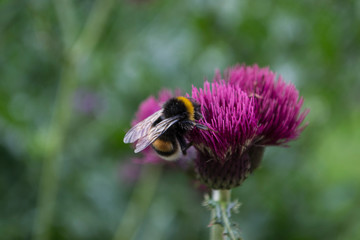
column 189, row 108
column 197, row 111
column 177, row 106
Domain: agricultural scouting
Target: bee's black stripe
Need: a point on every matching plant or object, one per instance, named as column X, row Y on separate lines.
column 173, row 151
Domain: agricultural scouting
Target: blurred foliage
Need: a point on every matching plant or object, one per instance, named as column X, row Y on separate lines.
column 72, row 74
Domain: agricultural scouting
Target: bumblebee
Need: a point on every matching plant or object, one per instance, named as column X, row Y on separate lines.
column 165, row 129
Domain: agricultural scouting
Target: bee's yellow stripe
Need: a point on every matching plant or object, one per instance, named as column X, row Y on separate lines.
column 189, row 107
column 163, row 146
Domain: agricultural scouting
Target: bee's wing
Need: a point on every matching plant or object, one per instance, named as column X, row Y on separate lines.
column 155, row 132
column 142, row 128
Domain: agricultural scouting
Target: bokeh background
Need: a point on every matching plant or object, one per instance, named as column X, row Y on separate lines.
column 72, row 74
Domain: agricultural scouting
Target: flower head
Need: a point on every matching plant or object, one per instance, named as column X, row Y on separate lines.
column 245, row 112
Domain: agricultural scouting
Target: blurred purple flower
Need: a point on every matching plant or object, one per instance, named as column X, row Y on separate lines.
column 87, row 102
column 246, row 111
column 129, row 172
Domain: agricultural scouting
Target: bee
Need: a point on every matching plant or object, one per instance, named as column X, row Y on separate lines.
column 165, row 130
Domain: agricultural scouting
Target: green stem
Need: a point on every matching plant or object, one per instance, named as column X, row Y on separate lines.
column 56, row 131
column 139, row 203
column 216, row 231
column 223, row 198
column 227, row 223
column 52, row 146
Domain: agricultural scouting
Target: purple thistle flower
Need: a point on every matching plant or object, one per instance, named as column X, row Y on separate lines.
column 246, row 111
column 223, row 161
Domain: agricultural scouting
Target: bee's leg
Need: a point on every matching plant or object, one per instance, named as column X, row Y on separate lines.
column 188, row 145
column 183, row 144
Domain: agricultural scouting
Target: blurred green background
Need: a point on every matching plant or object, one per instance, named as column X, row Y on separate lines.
column 72, row 74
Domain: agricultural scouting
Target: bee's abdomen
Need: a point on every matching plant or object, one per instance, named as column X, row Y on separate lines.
column 163, row 146
column 168, row 150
